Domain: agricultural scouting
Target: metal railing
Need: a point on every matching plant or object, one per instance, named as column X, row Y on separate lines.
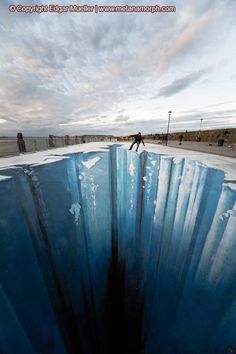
column 11, row 146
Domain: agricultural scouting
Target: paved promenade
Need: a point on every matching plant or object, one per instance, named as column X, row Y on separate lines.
column 225, row 150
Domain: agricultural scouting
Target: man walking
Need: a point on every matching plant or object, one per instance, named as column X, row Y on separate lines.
column 137, row 140
column 181, row 139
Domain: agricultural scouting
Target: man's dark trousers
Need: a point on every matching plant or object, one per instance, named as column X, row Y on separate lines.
column 134, row 142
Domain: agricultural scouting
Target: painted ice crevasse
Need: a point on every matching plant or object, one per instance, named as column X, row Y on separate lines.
column 115, row 252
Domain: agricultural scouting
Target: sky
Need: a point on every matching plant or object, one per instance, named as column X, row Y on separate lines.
column 117, row 73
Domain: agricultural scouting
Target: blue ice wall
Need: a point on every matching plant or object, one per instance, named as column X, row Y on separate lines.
column 115, row 252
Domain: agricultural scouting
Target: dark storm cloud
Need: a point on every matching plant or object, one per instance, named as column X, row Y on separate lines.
column 181, row 84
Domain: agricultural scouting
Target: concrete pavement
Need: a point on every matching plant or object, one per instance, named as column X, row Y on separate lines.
column 225, row 150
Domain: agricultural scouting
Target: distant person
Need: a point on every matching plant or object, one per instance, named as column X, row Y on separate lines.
column 221, row 141
column 181, row 139
column 137, row 140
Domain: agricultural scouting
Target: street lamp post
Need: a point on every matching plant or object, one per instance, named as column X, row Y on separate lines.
column 168, row 128
column 161, row 135
column 200, row 128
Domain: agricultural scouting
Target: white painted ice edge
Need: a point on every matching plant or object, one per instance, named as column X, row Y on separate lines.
column 168, row 224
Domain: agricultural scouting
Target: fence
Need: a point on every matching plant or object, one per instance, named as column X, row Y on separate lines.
column 10, row 146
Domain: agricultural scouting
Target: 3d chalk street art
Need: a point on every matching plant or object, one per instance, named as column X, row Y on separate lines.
column 117, row 252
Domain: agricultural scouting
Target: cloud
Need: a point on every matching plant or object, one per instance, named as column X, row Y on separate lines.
column 122, row 118
column 182, row 83
column 186, row 38
column 81, row 73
